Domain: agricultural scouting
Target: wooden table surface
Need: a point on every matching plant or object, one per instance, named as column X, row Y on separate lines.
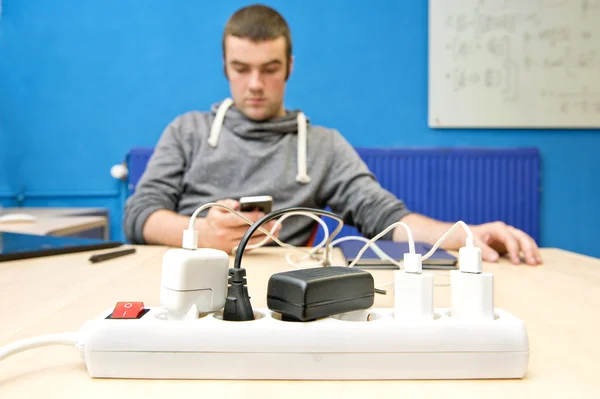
column 558, row 302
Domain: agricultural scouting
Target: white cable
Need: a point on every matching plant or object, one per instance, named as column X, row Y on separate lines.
column 374, row 247
column 378, row 251
column 288, row 255
column 469, row 239
column 192, row 223
column 295, row 264
column 313, row 252
column 411, row 241
column 287, row 215
column 190, row 236
column 44, row 340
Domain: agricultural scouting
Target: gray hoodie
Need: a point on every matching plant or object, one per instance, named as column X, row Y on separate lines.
column 247, row 158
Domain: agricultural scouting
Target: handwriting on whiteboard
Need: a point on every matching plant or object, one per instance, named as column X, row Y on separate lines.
column 514, row 45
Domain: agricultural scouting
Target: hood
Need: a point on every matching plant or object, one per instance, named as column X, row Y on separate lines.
column 241, row 125
column 294, row 122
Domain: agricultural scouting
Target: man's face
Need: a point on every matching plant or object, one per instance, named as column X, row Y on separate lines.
column 257, row 76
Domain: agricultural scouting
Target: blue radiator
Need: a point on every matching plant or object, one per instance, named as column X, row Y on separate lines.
column 475, row 185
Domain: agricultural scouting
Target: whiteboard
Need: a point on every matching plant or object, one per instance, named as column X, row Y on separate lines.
column 514, row 63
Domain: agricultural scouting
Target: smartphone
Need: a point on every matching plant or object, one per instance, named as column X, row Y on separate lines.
column 263, row 203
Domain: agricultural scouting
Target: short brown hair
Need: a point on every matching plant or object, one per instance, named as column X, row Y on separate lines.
column 259, row 23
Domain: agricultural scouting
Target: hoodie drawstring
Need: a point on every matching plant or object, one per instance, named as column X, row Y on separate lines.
column 215, row 130
column 302, row 176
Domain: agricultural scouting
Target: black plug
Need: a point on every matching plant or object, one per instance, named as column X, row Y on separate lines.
column 237, row 303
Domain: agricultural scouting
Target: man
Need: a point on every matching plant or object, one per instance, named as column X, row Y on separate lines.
column 252, row 145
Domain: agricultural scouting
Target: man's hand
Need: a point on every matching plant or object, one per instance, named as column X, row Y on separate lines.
column 494, row 239
column 223, row 230
column 498, row 238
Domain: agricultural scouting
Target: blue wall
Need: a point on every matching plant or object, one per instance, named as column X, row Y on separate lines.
column 82, row 82
column 7, row 176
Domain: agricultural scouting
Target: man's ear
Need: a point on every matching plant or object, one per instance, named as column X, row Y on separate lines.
column 290, row 67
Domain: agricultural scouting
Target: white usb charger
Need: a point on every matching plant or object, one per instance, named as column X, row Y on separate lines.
column 413, row 290
column 472, row 294
column 472, row 290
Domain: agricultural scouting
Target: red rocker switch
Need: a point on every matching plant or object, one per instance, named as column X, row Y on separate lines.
column 128, row 310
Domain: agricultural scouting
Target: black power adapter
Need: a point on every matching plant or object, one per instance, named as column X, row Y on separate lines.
column 238, row 306
column 309, row 294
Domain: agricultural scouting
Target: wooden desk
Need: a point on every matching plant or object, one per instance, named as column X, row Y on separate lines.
column 59, row 221
column 558, row 302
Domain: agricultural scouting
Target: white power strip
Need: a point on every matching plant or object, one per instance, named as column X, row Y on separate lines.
column 361, row 345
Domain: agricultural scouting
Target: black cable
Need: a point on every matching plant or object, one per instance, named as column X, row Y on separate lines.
column 240, row 250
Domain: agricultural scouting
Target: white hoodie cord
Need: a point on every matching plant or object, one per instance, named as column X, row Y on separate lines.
column 302, row 176
column 215, row 130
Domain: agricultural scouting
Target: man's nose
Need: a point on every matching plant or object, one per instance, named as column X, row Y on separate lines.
column 255, row 82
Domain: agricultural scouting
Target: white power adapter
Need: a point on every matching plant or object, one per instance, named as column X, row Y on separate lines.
column 413, row 290
column 193, row 282
column 472, row 289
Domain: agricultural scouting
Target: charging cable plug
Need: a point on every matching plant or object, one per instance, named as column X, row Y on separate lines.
column 237, row 303
column 469, row 259
column 190, row 239
column 469, row 256
column 413, row 263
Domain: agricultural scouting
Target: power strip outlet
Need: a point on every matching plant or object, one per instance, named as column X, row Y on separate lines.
column 362, row 345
